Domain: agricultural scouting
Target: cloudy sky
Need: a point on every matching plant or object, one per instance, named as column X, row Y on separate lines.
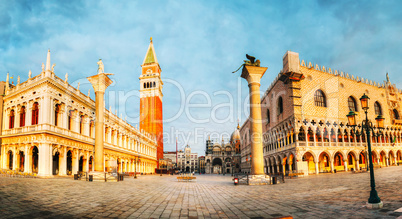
column 198, row 45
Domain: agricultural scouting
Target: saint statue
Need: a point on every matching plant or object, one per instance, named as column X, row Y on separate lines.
column 18, row 80
column 78, row 86
column 53, row 67
column 387, row 78
column 66, row 78
column 30, row 74
column 43, row 67
column 101, row 68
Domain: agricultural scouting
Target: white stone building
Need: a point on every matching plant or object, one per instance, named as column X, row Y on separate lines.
column 48, row 129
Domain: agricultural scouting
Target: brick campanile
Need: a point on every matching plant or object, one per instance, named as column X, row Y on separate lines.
column 151, row 114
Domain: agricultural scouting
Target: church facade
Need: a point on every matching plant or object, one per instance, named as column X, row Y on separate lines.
column 48, row 129
column 224, row 157
column 305, row 128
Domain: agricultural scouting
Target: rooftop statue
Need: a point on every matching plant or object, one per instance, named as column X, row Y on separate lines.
column 250, row 62
column 101, row 67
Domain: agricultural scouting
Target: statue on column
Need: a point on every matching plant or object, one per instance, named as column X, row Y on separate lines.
column 250, row 62
column 101, row 67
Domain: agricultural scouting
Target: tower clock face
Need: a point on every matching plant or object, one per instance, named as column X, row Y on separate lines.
column 149, row 71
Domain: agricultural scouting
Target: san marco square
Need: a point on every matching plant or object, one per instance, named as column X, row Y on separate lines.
column 340, row 195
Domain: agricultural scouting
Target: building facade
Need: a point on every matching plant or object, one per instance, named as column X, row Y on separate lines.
column 224, row 157
column 201, row 164
column 188, row 161
column 305, row 125
column 171, row 155
column 151, row 114
column 48, row 129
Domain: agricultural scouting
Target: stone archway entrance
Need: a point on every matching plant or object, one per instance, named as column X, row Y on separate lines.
column 90, row 163
column 81, row 164
column 35, row 159
column 21, row 161
column 217, row 165
column 10, row 160
column 56, row 159
column 69, row 162
column 187, row 169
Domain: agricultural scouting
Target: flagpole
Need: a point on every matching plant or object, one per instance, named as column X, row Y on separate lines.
column 177, row 161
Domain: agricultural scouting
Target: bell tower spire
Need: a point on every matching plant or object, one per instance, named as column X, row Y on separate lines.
column 151, row 114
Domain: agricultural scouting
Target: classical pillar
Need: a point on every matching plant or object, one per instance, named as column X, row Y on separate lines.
column 86, row 169
column 387, row 161
column 253, row 76
column 332, row 166
column 99, row 82
column 75, row 162
column 45, row 162
column 26, row 165
column 357, row 165
column 316, row 167
column 63, row 162
column 345, row 164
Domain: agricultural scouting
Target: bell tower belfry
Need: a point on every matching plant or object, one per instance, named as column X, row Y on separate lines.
column 151, row 114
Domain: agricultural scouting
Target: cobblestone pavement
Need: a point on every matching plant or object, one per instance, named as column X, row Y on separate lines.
column 340, row 195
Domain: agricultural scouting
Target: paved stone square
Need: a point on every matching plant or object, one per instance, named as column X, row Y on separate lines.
column 340, row 195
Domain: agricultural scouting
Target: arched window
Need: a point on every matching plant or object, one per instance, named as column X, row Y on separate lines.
column 56, row 114
column 268, row 117
column 12, row 117
column 377, row 108
column 396, row 114
column 280, row 106
column 22, row 116
column 70, row 120
column 35, row 113
column 302, row 135
column 91, row 127
column 154, row 85
column 352, row 104
column 81, row 123
column 319, row 98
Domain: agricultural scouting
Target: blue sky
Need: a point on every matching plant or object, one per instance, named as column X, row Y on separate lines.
column 198, row 45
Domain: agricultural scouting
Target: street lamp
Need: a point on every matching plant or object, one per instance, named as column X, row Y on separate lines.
column 367, row 126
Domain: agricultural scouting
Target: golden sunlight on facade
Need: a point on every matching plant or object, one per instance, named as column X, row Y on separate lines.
column 305, row 126
column 48, row 129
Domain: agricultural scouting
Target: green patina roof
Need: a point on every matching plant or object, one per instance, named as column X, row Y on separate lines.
column 150, row 57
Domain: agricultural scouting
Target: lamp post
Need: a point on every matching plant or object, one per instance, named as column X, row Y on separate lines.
column 374, row 201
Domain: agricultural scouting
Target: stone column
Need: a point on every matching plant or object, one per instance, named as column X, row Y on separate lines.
column 316, row 167
column 357, row 165
column 99, row 82
column 86, row 169
column 63, row 162
column 253, row 76
column 332, row 166
column 345, row 164
column 45, row 162
column 26, row 164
